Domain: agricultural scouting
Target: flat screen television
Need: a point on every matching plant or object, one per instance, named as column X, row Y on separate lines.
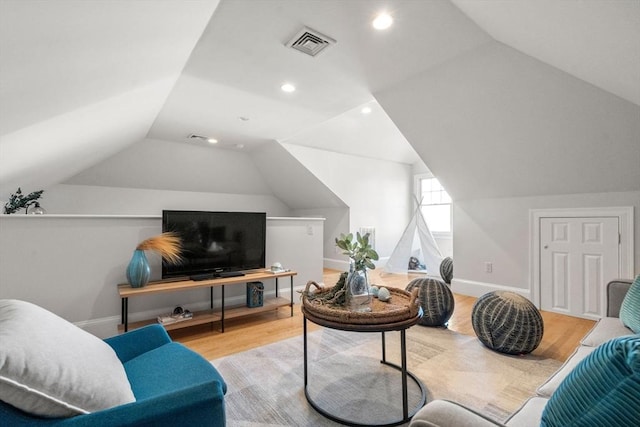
column 216, row 243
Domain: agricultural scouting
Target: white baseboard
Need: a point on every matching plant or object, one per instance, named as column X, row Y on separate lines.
column 105, row 327
column 477, row 289
column 335, row 264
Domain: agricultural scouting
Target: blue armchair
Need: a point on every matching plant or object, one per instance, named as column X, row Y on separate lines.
column 172, row 386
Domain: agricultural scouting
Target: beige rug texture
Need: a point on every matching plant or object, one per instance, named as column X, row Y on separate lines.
column 346, row 378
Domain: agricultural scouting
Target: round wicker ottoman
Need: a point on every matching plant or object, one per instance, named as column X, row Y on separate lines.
column 446, row 269
column 436, row 300
column 507, row 322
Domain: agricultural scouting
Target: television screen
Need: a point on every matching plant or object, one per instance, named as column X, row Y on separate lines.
column 215, row 242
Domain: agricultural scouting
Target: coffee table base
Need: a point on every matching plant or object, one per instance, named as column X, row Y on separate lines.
column 406, row 415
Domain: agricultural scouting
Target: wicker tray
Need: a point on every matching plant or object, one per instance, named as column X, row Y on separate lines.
column 402, row 306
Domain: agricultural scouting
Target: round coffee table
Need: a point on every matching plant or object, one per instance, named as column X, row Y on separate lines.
column 400, row 326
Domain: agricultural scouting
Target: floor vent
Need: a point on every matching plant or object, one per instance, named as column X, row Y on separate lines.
column 310, row 41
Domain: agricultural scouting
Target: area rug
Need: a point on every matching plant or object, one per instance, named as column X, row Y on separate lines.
column 346, row 378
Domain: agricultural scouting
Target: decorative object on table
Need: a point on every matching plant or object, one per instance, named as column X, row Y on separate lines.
column 436, row 300
column 179, row 314
column 361, row 256
column 276, row 267
column 336, row 296
column 167, row 245
column 18, row 201
column 446, row 270
column 255, row 294
column 318, row 302
column 507, row 322
column 36, row 209
column 373, row 290
column 383, row 294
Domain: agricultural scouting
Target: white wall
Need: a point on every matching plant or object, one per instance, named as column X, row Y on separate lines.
column 377, row 192
column 71, row 265
column 497, row 230
column 296, row 243
column 336, row 220
column 99, row 200
column 179, row 166
column 506, row 133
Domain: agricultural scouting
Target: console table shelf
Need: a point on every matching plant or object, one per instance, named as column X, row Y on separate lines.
column 206, row 316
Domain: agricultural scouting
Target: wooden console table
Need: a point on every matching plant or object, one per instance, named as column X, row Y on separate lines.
column 206, row 316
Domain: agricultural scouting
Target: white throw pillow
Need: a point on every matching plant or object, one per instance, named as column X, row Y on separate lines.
column 52, row 368
column 604, row 330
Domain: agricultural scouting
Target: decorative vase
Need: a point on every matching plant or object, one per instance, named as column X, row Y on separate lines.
column 138, row 270
column 358, row 296
column 36, row 209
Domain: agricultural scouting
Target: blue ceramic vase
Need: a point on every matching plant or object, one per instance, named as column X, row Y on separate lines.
column 138, row 270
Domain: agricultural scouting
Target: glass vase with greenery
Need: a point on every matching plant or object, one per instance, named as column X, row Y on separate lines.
column 361, row 255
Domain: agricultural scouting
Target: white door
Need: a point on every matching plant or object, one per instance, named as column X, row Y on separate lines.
column 578, row 257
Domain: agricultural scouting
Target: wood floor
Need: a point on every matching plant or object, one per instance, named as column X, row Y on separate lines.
column 561, row 333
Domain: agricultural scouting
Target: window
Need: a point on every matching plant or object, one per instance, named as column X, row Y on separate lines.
column 435, row 204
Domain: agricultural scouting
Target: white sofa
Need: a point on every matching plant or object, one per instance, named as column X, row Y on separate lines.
column 442, row 413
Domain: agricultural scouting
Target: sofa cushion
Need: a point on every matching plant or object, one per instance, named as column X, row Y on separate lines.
column 630, row 308
column 529, row 414
column 50, row 367
column 604, row 389
column 604, row 330
column 552, row 383
column 446, row 413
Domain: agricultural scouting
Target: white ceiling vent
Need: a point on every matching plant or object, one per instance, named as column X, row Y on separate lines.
column 310, row 41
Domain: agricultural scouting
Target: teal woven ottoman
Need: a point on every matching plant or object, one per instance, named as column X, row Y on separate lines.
column 436, row 300
column 507, row 322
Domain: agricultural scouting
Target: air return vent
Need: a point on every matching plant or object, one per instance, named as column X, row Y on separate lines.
column 310, row 41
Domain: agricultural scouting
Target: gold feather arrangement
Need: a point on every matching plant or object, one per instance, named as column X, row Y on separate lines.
column 168, row 245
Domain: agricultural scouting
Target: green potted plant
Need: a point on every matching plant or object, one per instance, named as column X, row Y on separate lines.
column 359, row 250
column 19, row 201
column 361, row 256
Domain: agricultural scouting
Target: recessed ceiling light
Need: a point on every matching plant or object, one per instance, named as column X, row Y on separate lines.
column 288, row 87
column 212, row 140
column 382, row 21
column 366, row 110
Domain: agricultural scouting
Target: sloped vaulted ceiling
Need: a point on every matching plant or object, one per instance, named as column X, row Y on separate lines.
column 498, row 98
column 550, row 107
column 596, row 41
column 498, row 123
column 82, row 80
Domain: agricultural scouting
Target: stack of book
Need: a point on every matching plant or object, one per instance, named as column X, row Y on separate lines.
column 174, row 318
